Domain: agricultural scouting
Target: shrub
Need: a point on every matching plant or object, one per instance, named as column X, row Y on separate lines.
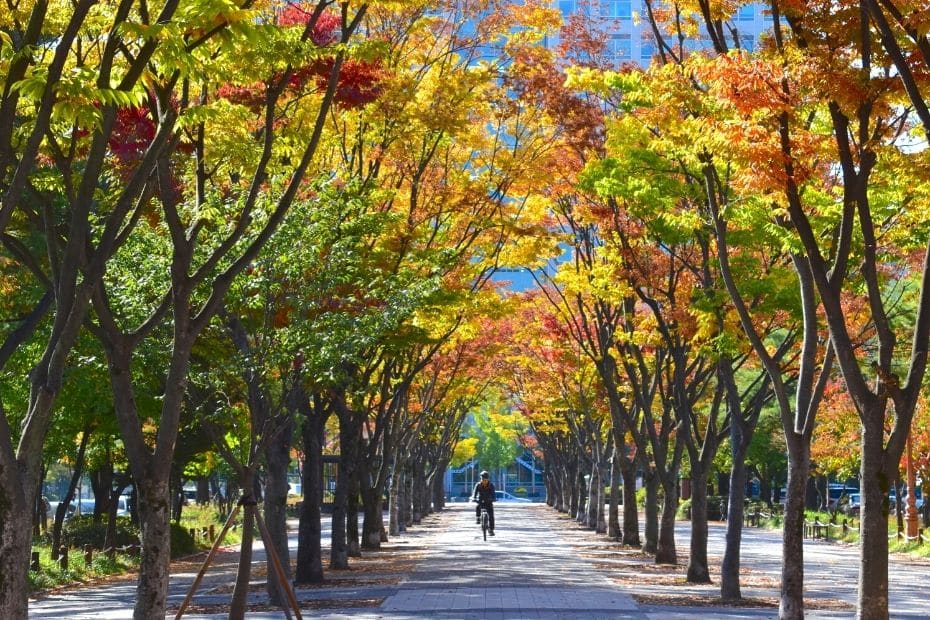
column 182, row 543
column 80, row 531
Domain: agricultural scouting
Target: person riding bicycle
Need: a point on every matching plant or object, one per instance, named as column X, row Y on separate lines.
column 484, row 495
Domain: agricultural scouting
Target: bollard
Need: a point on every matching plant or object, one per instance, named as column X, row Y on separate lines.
column 88, row 555
column 212, row 533
column 35, row 562
column 63, row 557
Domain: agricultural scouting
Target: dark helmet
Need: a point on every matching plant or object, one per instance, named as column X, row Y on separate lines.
column 485, row 475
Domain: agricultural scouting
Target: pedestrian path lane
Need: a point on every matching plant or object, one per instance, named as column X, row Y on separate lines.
column 526, row 571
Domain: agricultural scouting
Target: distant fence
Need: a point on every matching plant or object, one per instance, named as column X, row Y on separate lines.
column 826, row 531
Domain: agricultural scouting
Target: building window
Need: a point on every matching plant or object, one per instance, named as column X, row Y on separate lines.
column 747, row 42
column 617, row 9
column 619, row 47
column 746, row 13
column 647, row 49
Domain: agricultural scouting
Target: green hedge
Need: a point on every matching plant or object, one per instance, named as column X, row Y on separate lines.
column 81, row 530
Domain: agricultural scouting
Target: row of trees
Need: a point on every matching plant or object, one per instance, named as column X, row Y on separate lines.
column 738, row 232
column 251, row 221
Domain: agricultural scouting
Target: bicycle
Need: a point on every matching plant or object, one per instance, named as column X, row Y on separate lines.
column 485, row 519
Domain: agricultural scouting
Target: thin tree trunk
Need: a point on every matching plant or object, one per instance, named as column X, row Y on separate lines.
column 62, row 508
column 591, row 518
column 651, row 512
column 310, row 530
column 581, row 496
column 599, row 499
column 630, row 509
column 353, row 548
column 156, row 546
column 666, row 551
column 109, row 540
column 397, row 498
column 439, row 489
column 791, row 606
column 278, row 460
column 237, row 607
column 873, row 533
column 698, row 570
column 339, row 552
column 373, row 524
column 729, row 571
column 613, row 511
column 15, row 539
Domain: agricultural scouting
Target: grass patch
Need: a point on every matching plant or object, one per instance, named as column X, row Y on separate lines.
column 50, row 574
column 82, row 530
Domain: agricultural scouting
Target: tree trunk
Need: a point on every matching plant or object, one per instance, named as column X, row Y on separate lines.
column 666, row 551
column 310, row 530
column 439, row 487
column 729, row 571
column 630, row 510
column 410, row 494
column 156, row 548
column 339, row 551
column 237, row 607
column 176, row 493
column 651, row 512
column 569, row 491
column 397, row 499
column 353, row 548
column 101, row 482
column 581, row 496
column 203, row 490
column 109, row 539
column 62, row 508
column 600, row 499
column 873, row 533
column 791, row 605
column 278, row 461
column 15, row 540
column 591, row 518
column 373, row 524
column 698, row 570
column 613, row 510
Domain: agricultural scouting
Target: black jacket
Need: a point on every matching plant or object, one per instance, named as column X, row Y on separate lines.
column 485, row 494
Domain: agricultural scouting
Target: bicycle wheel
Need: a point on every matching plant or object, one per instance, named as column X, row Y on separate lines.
column 484, row 524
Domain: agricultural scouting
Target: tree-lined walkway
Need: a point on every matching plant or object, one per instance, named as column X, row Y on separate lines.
column 540, row 565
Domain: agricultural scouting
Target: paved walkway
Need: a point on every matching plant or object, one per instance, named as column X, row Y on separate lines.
column 540, row 565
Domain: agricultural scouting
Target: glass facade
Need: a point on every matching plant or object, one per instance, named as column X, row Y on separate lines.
column 631, row 40
column 617, row 9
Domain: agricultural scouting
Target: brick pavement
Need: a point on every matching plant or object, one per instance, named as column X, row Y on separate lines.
column 539, row 566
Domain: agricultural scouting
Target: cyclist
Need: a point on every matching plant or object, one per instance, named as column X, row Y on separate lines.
column 484, row 495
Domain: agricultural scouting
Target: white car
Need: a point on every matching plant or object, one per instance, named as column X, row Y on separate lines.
column 86, row 507
column 504, row 496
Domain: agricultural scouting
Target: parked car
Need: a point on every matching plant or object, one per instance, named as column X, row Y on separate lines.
column 85, row 506
column 854, row 505
column 504, row 496
column 838, row 495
